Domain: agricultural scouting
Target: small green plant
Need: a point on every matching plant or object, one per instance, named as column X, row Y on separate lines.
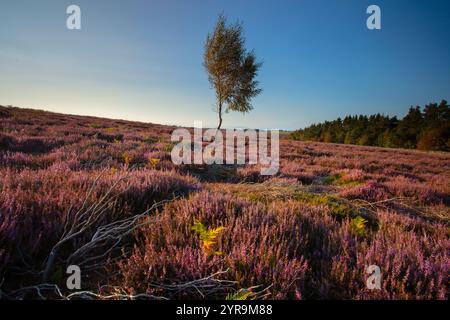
column 336, row 207
column 95, row 126
column 208, row 237
column 358, row 226
column 342, row 180
column 151, row 140
column 242, row 294
column 333, row 179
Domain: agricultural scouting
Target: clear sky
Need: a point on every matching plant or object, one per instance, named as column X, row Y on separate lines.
column 142, row 60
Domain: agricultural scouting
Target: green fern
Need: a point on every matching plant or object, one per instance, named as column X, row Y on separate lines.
column 208, row 237
column 242, row 294
column 358, row 226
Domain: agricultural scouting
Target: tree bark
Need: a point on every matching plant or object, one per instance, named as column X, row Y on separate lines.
column 220, row 116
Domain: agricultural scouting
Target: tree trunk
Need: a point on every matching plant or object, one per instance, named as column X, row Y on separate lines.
column 220, row 116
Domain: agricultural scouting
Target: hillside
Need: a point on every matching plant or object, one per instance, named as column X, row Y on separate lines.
column 104, row 195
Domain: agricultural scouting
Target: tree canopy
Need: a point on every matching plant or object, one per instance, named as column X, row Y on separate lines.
column 231, row 69
column 427, row 129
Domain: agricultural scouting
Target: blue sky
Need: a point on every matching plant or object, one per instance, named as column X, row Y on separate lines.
column 142, row 60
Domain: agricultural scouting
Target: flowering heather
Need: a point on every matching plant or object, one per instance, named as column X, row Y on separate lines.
column 299, row 250
column 309, row 232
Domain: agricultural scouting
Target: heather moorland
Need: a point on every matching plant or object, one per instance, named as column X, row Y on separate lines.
column 104, row 195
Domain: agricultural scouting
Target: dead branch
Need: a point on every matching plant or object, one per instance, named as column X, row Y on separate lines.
column 82, row 220
column 112, row 234
column 205, row 287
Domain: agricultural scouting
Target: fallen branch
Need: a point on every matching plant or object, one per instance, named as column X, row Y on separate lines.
column 205, row 287
column 111, row 233
column 81, row 221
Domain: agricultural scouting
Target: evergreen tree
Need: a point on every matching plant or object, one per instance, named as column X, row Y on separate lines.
column 427, row 130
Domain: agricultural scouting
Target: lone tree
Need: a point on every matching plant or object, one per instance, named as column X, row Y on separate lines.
column 231, row 69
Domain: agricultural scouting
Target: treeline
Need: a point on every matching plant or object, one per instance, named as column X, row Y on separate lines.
column 427, row 129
